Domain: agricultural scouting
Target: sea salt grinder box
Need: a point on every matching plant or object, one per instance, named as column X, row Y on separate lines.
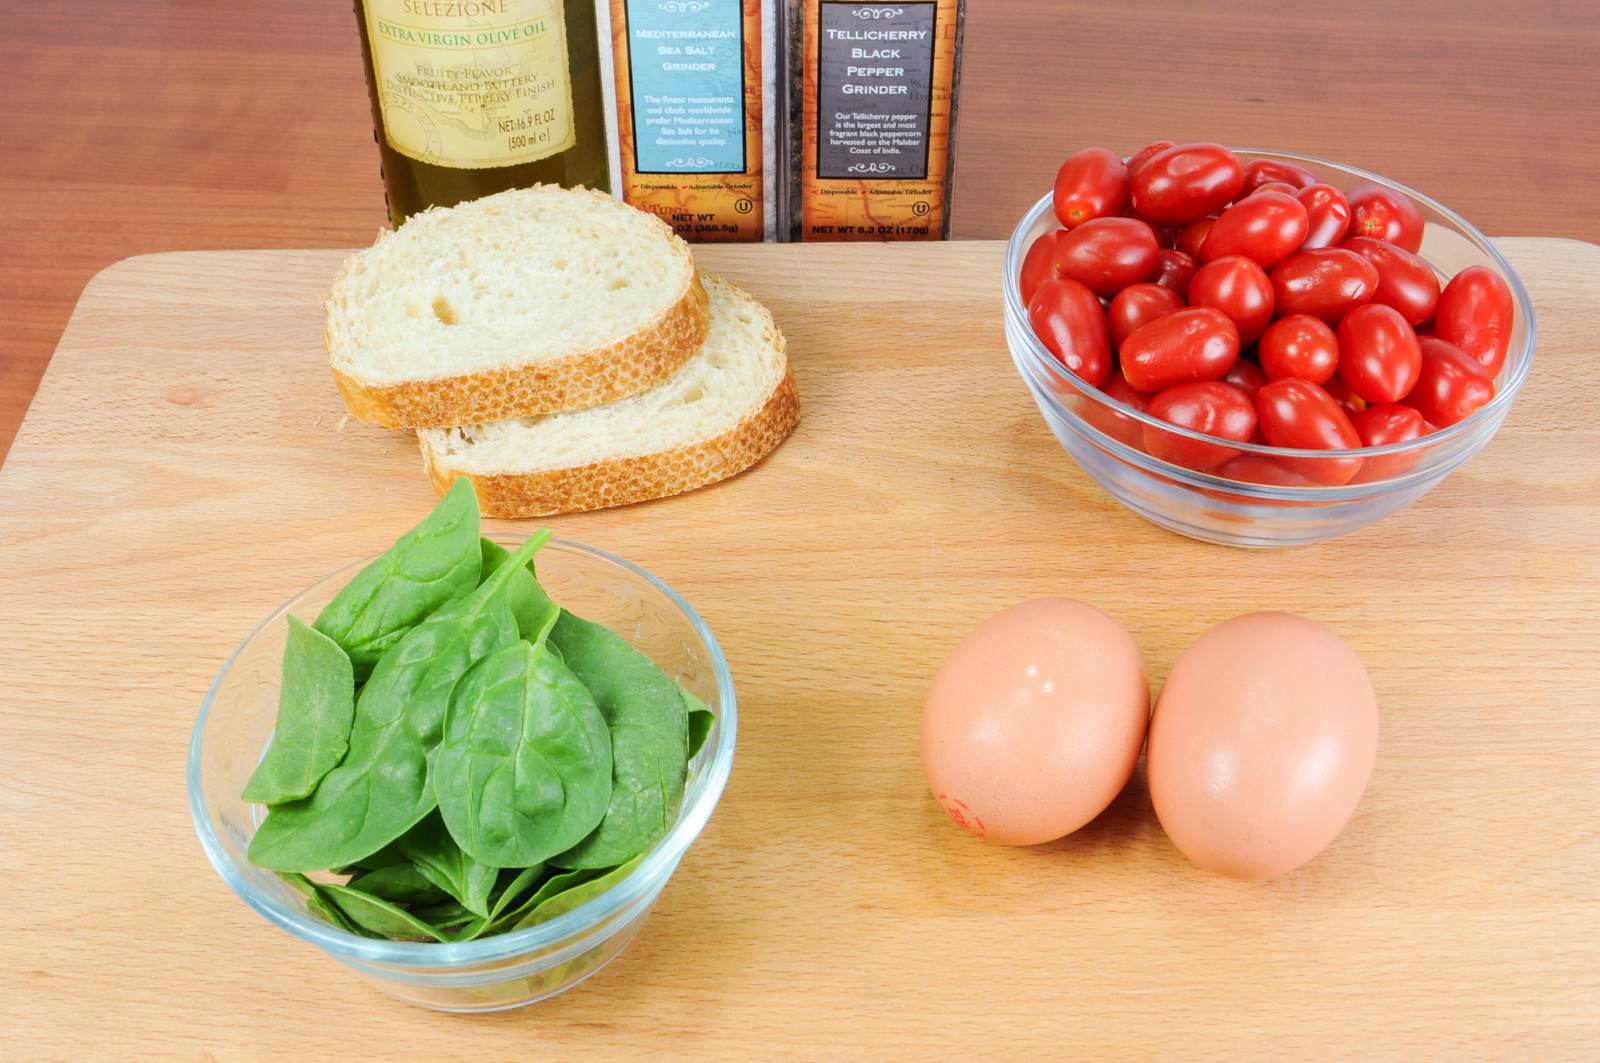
column 694, row 115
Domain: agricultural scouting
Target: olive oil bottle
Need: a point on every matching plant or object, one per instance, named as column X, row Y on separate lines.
column 471, row 97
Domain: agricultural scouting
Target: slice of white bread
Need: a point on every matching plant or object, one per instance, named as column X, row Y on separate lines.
column 725, row 410
column 525, row 302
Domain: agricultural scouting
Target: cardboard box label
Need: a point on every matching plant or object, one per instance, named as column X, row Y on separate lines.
column 687, row 64
column 875, row 89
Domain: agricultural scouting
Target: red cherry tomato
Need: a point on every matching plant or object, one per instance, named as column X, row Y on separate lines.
column 1194, row 344
column 1267, row 171
column 1265, row 228
column 1136, row 306
column 1274, row 186
column 1299, row 347
column 1166, row 235
column 1405, row 282
column 1068, row 320
column 1240, row 289
column 1379, row 426
column 1452, row 385
column 1299, row 414
column 1113, row 422
column 1123, row 392
column 1038, row 265
column 1146, row 153
column 1246, row 376
column 1378, row 354
column 1325, row 282
column 1262, row 469
column 1186, row 182
column 1092, row 183
column 1192, row 237
column 1475, row 314
column 1175, row 270
column 1327, row 214
column 1348, row 401
column 1108, row 254
column 1208, row 406
column 1385, row 215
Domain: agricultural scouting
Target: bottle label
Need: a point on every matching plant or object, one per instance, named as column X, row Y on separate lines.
column 472, row 84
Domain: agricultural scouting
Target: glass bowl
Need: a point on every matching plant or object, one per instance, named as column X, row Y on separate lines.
column 507, row 970
column 1260, row 504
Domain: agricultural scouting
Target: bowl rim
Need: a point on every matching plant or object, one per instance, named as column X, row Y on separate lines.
column 1016, row 249
column 650, row 873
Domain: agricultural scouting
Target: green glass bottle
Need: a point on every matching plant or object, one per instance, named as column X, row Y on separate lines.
column 471, row 97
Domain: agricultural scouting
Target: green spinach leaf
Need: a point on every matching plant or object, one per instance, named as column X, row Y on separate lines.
column 444, row 914
column 700, row 721
column 440, row 860
column 384, row 787
column 379, row 916
column 316, row 707
column 399, row 884
column 510, row 894
column 649, row 724
column 563, row 900
column 534, row 610
column 433, row 563
column 550, row 887
column 524, row 770
column 318, row 904
column 384, row 857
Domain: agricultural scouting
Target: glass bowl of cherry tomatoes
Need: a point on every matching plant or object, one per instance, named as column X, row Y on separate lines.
column 1259, row 348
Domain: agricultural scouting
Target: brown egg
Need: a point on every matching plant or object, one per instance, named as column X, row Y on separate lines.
column 1035, row 721
column 1261, row 744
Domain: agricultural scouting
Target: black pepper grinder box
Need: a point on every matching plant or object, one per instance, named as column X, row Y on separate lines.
column 871, row 118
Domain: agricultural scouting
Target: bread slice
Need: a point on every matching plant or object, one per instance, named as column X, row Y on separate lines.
column 725, row 410
column 525, row 302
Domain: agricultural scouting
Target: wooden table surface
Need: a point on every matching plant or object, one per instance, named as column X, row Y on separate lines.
column 178, row 124
column 187, row 466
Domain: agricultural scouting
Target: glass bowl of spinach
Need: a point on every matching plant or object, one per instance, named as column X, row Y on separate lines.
column 551, row 927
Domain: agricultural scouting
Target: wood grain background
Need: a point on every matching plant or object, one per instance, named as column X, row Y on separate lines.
column 173, row 124
column 189, row 465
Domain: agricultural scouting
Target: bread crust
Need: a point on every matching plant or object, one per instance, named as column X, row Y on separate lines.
column 572, row 382
column 623, row 481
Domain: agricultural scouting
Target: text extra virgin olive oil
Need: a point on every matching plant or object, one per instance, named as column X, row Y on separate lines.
column 471, row 97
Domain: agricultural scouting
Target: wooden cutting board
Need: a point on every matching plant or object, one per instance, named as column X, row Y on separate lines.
column 187, row 466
